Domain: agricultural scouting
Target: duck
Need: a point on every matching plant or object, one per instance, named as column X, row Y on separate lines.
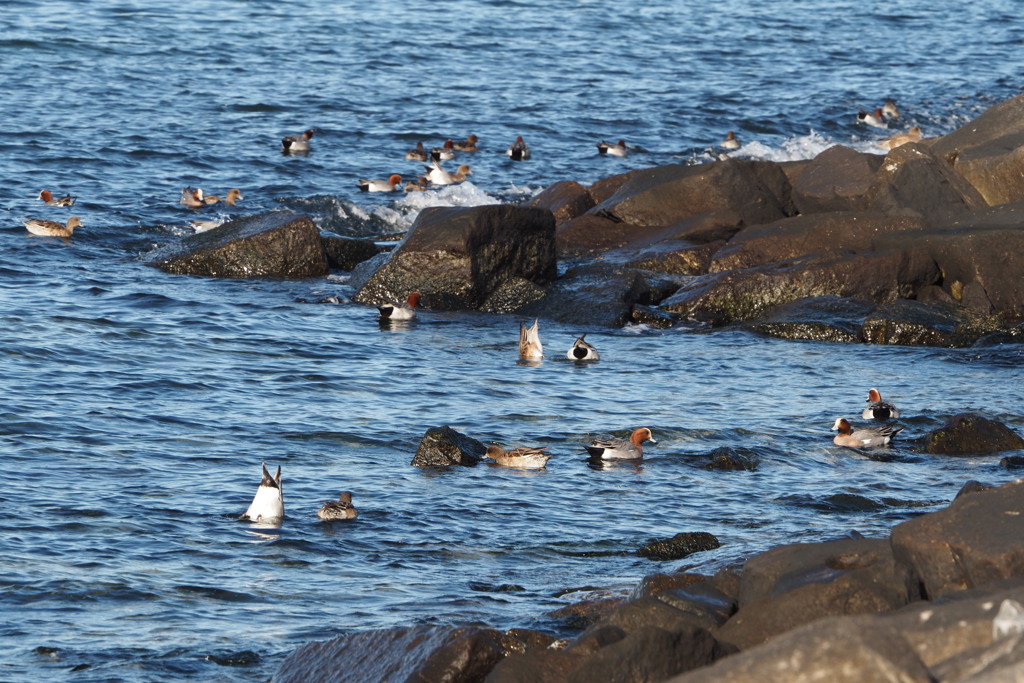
column 400, row 311
column 730, row 141
column 233, row 195
column 417, row 153
column 418, row 185
column 203, row 226
column 530, row 347
column 296, row 144
column 443, row 153
column 524, row 458
column 338, row 509
column 52, row 228
column 889, row 110
column 268, row 503
column 437, row 175
column 47, row 198
column 874, row 119
column 621, row 449
column 193, row 199
column 864, row 437
column 912, row 135
column 389, row 185
column 467, row 145
column 581, row 350
column 616, row 150
column 518, row 151
column 461, row 173
column 878, row 409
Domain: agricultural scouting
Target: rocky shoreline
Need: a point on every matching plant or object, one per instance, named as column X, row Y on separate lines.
column 940, row 599
column 922, row 246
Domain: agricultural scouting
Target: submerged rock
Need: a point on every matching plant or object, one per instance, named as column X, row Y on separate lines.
column 970, row 434
column 679, row 546
column 443, row 446
column 279, row 244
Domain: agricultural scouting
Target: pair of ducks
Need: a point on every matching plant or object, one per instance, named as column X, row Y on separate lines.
column 866, row 437
column 531, row 349
column 446, row 152
column 268, row 503
column 880, row 117
column 528, row 457
column 435, row 175
column 195, row 199
column 45, row 228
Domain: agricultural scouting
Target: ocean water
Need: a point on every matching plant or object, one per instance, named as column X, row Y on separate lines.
column 137, row 406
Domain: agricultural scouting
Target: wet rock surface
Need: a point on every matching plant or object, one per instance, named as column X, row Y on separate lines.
column 279, row 244
column 444, row 447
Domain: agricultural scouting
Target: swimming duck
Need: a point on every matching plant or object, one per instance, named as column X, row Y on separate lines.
column 581, row 350
column 296, row 144
column 467, row 145
column 889, row 110
column 864, row 437
column 234, row 195
column 438, row 176
column 203, row 226
column 461, row 173
column 418, row 185
column 878, row 409
column 730, row 141
column 445, row 153
column 268, row 503
column 621, row 449
column 912, row 135
column 338, row 509
column 875, row 119
column 193, row 199
column 417, row 153
column 525, row 458
column 616, row 150
column 518, row 151
column 389, row 185
column 52, row 228
column 400, row 311
column 47, row 198
column 530, row 347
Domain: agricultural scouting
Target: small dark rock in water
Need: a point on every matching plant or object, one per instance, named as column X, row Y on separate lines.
column 1012, row 462
column 970, row 434
column 731, row 459
column 52, row 652
column 481, row 587
column 679, row 546
column 443, row 446
column 243, row 658
column 971, row 487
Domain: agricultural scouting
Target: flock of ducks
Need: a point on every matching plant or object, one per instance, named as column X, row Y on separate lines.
column 268, row 503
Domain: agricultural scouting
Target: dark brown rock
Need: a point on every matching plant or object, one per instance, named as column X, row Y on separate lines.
column 720, row 298
column 809, row 234
column 838, row 179
column 443, row 446
column 970, row 434
column 732, row 460
column 585, row 613
column 975, row 542
column 279, row 244
column 590, row 234
column 679, row 546
column 680, row 258
column 912, row 323
column 648, row 655
column 653, row 584
column 913, row 180
column 553, row 666
column 606, row 187
column 827, row 318
column 836, row 649
column 565, row 199
column 459, row 257
column 757, row 191
column 421, row 653
column 794, row 585
column 710, row 227
column 988, row 151
column 345, row 253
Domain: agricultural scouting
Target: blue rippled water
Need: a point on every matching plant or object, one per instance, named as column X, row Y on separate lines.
column 137, row 405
